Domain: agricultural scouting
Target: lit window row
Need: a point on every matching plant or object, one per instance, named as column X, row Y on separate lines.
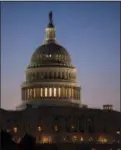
column 60, row 92
column 75, row 138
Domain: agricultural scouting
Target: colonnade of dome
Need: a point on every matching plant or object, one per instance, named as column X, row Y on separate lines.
column 54, row 92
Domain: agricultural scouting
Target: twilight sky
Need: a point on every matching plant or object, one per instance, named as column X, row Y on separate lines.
column 90, row 31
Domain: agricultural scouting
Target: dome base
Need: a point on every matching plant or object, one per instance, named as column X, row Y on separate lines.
column 38, row 103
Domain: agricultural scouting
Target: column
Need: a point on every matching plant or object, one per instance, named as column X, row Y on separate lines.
column 25, row 94
column 43, row 92
column 34, row 93
column 79, row 92
column 57, row 92
column 22, row 94
column 47, row 91
column 69, row 92
column 28, row 94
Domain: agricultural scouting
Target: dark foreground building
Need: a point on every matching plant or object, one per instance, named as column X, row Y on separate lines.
column 51, row 108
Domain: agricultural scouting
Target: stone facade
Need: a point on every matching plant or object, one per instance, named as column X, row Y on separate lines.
column 63, row 124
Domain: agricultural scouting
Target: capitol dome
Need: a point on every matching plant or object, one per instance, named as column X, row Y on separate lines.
column 50, row 54
column 50, row 78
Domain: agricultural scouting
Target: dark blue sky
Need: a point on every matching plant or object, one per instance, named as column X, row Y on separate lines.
column 90, row 31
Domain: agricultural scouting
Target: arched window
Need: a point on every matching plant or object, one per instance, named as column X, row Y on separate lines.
column 45, row 92
column 41, row 75
column 50, row 92
column 54, row 92
column 63, row 77
column 59, row 92
column 45, row 75
column 41, row 92
column 69, row 92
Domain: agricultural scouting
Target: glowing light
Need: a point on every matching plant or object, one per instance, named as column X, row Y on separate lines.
column 46, row 139
column 39, row 128
column 56, row 128
column 81, row 139
column 15, row 129
column 102, row 139
column 118, row 132
column 74, row 138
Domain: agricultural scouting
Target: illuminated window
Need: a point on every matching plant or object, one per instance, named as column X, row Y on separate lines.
column 81, row 139
column 45, row 92
column 50, row 92
column 54, row 92
column 66, row 90
column 15, row 129
column 69, row 92
column 46, row 139
column 64, row 138
column 75, row 138
column 41, row 92
column 39, row 129
column 34, row 90
column 56, row 128
column 59, row 92
column 102, row 139
column 72, row 126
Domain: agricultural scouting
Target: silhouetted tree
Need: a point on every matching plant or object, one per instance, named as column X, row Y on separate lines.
column 6, row 141
column 27, row 142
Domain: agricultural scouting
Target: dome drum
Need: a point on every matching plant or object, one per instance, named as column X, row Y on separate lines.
column 56, row 74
